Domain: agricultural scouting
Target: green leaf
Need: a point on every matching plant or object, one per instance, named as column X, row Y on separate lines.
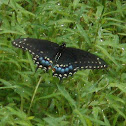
column 67, row 96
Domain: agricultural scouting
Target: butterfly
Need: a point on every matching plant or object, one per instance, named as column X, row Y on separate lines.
column 64, row 61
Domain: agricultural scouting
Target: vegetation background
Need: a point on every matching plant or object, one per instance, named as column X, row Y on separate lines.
column 90, row 97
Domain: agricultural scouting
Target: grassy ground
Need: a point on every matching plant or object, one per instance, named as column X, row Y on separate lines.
column 90, row 97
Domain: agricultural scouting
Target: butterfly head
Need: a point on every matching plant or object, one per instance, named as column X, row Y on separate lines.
column 63, row 45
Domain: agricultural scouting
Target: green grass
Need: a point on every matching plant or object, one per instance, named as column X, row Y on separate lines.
column 90, row 97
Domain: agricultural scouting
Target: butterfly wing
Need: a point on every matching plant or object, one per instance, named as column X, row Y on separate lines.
column 43, row 51
column 73, row 59
column 69, row 60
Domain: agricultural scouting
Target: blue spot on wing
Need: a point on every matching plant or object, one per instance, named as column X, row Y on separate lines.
column 41, row 58
column 66, row 69
column 43, row 62
column 62, row 70
column 58, row 69
column 70, row 67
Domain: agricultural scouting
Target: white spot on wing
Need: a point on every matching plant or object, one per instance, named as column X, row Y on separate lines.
column 60, row 75
column 65, row 75
column 86, row 66
column 90, row 66
column 48, row 59
column 37, row 62
column 40, row 66
column 77, row 67
column 70, row 73
column 44, row 68
column 57, row 65
column 35, row 58
column 61, row 65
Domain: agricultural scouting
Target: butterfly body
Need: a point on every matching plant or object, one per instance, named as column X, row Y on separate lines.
column 64, row 61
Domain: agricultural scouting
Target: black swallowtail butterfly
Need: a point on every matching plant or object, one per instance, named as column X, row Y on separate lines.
column 63, row 60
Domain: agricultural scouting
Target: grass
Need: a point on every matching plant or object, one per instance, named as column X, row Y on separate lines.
column 90, row 97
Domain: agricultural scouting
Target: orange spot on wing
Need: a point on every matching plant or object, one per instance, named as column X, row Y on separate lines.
column 49, row 67
column 54, row 69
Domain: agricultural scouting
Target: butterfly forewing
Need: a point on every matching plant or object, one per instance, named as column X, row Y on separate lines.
column 43, row 51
